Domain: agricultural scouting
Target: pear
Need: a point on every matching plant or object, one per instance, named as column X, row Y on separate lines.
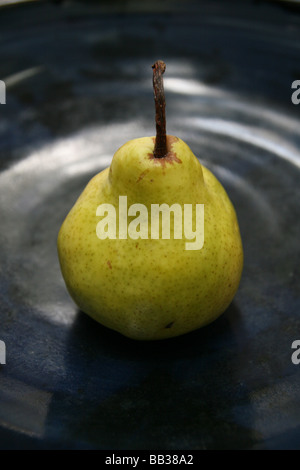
column 152, row 287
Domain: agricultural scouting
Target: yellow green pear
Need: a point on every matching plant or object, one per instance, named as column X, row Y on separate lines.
column 152, row 284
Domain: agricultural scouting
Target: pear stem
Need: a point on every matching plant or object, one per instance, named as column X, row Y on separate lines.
column 160, row 149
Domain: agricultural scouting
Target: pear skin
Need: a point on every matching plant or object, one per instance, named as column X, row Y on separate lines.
column 149, row 289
